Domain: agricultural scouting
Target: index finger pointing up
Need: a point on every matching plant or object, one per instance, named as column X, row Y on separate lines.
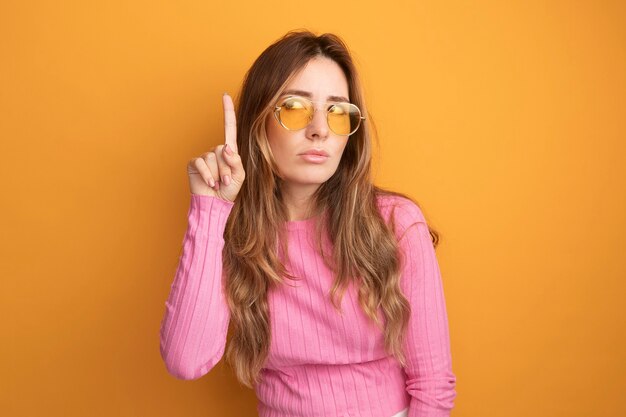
column 230, row 122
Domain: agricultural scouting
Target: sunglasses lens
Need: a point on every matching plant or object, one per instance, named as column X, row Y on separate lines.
column 295, row 114
column 344, row 118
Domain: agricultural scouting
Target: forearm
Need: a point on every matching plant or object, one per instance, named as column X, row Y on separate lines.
column 195, row 323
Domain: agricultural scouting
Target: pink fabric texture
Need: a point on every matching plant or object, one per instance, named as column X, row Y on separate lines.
column 321, row 362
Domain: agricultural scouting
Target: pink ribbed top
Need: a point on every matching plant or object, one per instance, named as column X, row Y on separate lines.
column 321, row 363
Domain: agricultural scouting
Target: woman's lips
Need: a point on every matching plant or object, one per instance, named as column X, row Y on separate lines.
column 315, row 159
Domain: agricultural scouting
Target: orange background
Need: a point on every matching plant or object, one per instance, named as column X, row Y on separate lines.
column 504, row 119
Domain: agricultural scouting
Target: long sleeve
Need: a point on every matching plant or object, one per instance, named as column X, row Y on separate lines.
column 430, row 380
column 194, row 327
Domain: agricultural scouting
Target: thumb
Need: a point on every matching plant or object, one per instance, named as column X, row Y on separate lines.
column 233, row 160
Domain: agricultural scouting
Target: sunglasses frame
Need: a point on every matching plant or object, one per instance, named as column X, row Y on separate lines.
column 277, row 113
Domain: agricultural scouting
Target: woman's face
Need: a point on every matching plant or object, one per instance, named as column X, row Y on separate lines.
column 320, row 80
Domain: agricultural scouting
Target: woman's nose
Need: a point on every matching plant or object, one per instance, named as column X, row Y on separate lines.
column 319, row 124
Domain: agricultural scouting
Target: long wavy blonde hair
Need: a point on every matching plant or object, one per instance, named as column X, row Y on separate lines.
column 365, row 249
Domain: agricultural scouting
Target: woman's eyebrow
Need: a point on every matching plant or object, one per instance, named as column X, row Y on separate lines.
column 309, row 95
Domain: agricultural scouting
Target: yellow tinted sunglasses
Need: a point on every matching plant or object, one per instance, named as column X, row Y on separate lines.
column 296, row 112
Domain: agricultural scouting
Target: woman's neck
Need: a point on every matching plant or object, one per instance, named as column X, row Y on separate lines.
column 298, row 201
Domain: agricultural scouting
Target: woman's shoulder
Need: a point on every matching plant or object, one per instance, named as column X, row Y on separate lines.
column 405, row 210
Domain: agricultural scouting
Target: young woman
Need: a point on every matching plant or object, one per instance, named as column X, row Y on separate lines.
column 329, row 285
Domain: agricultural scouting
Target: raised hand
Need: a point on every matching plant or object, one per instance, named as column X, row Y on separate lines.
column 219, row 172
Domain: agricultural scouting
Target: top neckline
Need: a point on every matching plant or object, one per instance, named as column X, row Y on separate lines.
column 301, row 224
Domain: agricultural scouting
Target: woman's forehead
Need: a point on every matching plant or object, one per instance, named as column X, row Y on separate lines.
column 310, row 95
column 320, row 79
